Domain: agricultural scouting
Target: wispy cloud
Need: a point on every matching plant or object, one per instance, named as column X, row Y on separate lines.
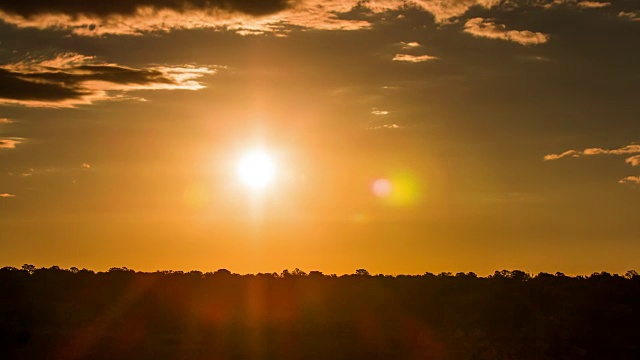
column 593, row 4
column 409, row 45
column 379, row 112
column 633, row 161
column 414, row 58
column 6, row 195
column 5, row 121
column 630, row 180
column 487, row 28
column 630, row 15
column 86, row 166
column 568, row 153
column 9, row 143
column 385, row 126
column 71, row 79
column 624, row 150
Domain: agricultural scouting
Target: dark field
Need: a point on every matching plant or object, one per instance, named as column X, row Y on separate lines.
column 122, row 314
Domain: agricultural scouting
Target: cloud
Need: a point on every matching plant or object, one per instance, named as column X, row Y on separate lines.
column 571, row 4
column 571, row 153
column 7, row 195
column 634, row 160
column 413, row 58
column 630, row 15
column 124, row 8
column 629, row 149
column 130, row 17
column 9, row 143
column 71, row 79
column 593, row 4
column 96, row 18
column 379, row 112
column 487, row 28
column 86, row 166
column 443, row 11
column 5, row 121
column 630, row 180
column 624, row 150
column 409, row 45
column 385, row 126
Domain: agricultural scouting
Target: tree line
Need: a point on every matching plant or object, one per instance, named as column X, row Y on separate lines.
column 76, row 313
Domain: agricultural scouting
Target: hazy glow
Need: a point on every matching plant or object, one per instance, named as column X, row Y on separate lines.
column 256, row 169
column 382, row 187
column 398, row 189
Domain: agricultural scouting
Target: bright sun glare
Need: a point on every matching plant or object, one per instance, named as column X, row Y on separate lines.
column 256, row 169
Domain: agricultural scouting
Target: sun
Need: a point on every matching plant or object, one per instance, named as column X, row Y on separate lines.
column 256, row 169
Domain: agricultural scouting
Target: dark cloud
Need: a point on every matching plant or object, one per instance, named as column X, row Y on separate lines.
column 252, row 17
column 77, row 8
column 71, row 79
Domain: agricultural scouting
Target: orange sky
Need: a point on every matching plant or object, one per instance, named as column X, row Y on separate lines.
column 500, row 137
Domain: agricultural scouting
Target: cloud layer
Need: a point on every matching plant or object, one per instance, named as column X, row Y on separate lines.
column 413, row 58
column 71, row 79
column 95, row 18
column 487, row 28
column 624, row 150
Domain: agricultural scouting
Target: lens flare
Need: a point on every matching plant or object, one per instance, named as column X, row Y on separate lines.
column 382, row 188
column 399, row 189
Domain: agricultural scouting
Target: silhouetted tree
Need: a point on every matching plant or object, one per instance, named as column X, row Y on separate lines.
column 56, row 313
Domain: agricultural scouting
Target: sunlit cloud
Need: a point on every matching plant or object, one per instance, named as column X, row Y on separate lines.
column 487, row 28
column 385, row 126
column 568, row 153
column 414, row 58
column 443, row 11
column 630, row 180
column 625, row 150
column 9, row 143
column 571, row 4
column 629, row 149
column 593, row 4
column 134, row 17
column 4, row 121
column 71, row 79
column 409, row 45
column 93, row 18
column 379, row 112
column 6, row 195
column 630, row 15
column 633, row 161
column 86, row 166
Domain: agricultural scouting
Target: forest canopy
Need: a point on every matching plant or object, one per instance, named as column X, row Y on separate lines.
column 78, row 313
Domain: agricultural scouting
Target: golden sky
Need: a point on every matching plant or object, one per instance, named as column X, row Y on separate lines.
column 395, row 136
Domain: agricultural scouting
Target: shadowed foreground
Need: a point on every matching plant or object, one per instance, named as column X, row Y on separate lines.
column 122, row 314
